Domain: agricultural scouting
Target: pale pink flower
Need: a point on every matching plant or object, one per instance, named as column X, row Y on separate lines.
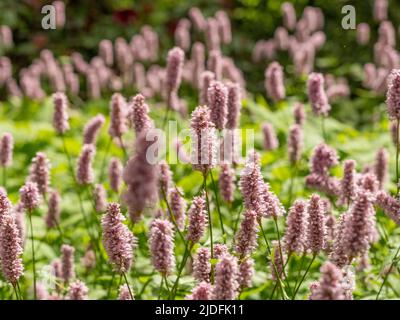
column 100, row 197
column 118, row 240
column 246, row 272
column 78, row 291
column 54, row 210
column 329, row 286
column 178, row 207
column 270, row 139
column 6, row 149
column 203, row 291
column 316, row 229
column 161, row 242
column 60, row 116
column 317, row 95
column 39, row 172
column 202, row 265
column 226, row 278
column 226, row 182
column 92, row 128
column 197, row 219
column 274, row 82
column 115, row 174
column 118, row 113
column 217, row 100
column 381, row 166
column 30, row 196
column 295, row 236
column 84, row 170
column 246, row 238
column 67, row 262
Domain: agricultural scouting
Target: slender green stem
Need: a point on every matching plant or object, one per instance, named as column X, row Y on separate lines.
column 209, row 215
column 33, row 255
column 304, row 276
column 161, row 287
column 19, row 291
column 292, row 176
column 127, row 284
column 15, row 291
column 110, row 286
column 218, row 207
column 166, row 116
column 123, row 148
column 323, row 128
column 279, row 244
column 393, row 263
column 5, row 177
column 167, row 285
column 188, row 249
column 272, row 261
column 103, row 163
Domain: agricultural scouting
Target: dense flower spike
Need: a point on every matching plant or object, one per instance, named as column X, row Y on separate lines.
column 92, row 128
column 295, row 236
column 226, row 278
column 67, row 262
column 178, row 207
column 173, row 75
column 118, row 113
column 88, row 261
column 359, row 226
column 202, row 265
column 295, row 143
column 203, row 140
column 270, row 140
column 273, row 206
column 6, row 149
column 363, row 33
column 78, row 291
column 322, row 159
column 393, row 95
column 5, row 205
column 60, row 117
column 139, row 114
column 206, row 78
column 227, row 182
column 29, row 194
column 316, row 230
column 348, row 183
column 39, row 172
column 214, row 63
column 381, row 166
column 329, row 286
column 165, row 179
column 317, row 95
column 115, row 174
column 246, row 272
column 100, row 197
column 124, row 293
column 234, row 105
column 203, row 291
column 274, row 83
column 217, row 100
column 389, row 205
column 54, row 210
column 161, row 242
column 141, row 176
column 10, row 250
column 84, row 171
column 299, row 114
column 246, row 238
column 252, row 185
column 289, row 15
column 197, row 219
column 118, row 240
column 220, row 250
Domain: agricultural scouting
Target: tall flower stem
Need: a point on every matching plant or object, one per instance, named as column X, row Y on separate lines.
column 160, row 289
column 127, row 284
column 292, row 176
column 33, row 255
column 123, row 148
column 104, row 161
column 4, row 177
column 188, row 249
column 16, row 292
column 209, row 214
column 323, row 128
column 279, row 281
column 279, row 244
column 110, row 286
column 394, row 262
column 304, row 276
column 218, row 207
